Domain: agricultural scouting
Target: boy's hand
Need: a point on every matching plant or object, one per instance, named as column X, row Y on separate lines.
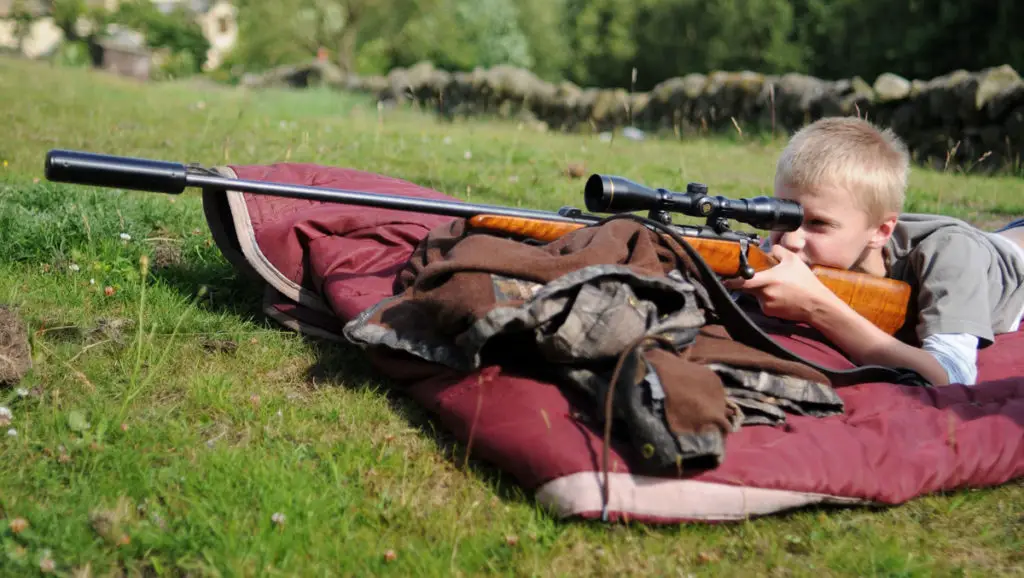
column 789, row 290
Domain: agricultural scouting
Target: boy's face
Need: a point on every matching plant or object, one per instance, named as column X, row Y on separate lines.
column 835, row 231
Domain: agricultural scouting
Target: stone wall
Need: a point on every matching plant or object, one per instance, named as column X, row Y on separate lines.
column 972, row 119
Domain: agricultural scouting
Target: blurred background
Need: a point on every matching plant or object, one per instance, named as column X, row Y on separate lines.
column 942, row 73
column 588, row 42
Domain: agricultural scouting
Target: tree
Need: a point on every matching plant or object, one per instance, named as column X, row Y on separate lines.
column 602, row 39
column 676, row 37
column 916, row 39
column 542, row 23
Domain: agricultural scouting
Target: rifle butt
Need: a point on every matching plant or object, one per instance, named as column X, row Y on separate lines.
column 880, row 300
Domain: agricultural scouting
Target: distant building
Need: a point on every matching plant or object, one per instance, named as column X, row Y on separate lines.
column 125, row 53
column 218, row 20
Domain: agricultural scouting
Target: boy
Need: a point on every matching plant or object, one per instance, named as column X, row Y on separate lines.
column 850, row 178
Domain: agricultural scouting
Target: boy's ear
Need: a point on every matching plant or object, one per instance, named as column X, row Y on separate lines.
column 884, row 230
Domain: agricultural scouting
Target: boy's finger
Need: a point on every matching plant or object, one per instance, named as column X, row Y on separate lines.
column 781, row 253
column 760, row 279
column 734, row 283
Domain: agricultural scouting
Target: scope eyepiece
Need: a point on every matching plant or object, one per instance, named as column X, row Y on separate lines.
column 614, row 194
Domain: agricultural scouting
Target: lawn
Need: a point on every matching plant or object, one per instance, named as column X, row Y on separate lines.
column 167, row 428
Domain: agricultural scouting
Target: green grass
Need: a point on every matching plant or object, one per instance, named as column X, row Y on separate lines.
column 171, row 412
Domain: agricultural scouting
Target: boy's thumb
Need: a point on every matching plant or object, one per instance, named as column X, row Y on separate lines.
column 781, row 253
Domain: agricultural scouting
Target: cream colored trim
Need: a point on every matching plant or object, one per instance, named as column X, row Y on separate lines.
column 293, row 323
column 247, row 241
column 672, row 499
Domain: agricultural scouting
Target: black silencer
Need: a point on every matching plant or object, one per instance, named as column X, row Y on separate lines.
column 101, row 170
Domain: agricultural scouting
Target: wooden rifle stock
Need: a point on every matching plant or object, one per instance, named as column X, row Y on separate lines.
column 880, row 300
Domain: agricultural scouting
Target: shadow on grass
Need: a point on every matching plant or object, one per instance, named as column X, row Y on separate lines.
column 226, row 291
column 339, row 364
column 345, row 365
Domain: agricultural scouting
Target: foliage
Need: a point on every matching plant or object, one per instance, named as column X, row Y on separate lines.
column 601, row 42
column 268, row 36
column 22, row 19
column 454, row 34
column 492, row 28
column 177, row 31
column 917, row 39
column 74, row 54
column 67, row 13
column 542, row 23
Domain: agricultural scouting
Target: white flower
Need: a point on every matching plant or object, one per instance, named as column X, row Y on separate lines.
column 467, row 155
column 92, row 281
column 12, row 433
column 73, row 267
column 21, row 391
column 277, row 518
column 5, row 416
column 126, row 237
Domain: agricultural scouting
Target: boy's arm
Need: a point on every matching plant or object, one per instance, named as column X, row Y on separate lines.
column 790, row 290
column 866, row 344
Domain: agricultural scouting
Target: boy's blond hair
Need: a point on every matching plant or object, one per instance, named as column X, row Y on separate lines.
column 848, row 152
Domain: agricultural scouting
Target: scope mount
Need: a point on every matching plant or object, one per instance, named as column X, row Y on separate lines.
column 715, row 224
column 719, row 226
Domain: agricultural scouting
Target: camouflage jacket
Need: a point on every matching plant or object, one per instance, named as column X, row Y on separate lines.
column 572, row 311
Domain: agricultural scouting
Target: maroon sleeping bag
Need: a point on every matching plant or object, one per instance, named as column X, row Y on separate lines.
column 324, row 263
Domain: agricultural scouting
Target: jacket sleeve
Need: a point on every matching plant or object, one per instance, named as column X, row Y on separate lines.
column 953, row 297
column 957, row 353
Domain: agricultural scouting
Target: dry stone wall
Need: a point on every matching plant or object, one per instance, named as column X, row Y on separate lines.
column 962, row 118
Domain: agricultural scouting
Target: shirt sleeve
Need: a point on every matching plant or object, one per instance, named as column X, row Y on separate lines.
column 953, row 296
column 957, row 353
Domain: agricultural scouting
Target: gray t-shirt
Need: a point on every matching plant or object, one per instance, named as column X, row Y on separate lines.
column 965, row 280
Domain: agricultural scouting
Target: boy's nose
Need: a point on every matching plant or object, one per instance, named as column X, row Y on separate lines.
column 793, row 240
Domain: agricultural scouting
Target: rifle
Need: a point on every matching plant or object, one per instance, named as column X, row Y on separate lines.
column 727, row 252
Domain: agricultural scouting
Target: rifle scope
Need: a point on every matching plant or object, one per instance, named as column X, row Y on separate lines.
column 612, row 194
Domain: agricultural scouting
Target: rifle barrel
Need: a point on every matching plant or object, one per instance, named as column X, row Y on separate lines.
column 86, row 168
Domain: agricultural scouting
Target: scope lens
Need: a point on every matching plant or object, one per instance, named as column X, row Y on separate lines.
column 612, row 194
column 594, row 193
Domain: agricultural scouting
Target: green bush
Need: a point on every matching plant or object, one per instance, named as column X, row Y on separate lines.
column 176, row 31
column 179, row 64
column 73, row 54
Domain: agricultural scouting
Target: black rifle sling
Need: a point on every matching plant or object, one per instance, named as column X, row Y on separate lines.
column 741, row 328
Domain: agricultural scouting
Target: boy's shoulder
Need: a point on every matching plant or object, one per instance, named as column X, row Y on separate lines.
column 971, row 280
column 923, row 232
column 928, row 240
